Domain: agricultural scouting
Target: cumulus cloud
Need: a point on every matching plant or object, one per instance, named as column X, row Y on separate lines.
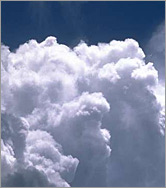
column 32, row 158
column 87, row 116
column 155, row 50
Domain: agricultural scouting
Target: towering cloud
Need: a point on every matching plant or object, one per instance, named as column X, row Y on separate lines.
column 87, row 116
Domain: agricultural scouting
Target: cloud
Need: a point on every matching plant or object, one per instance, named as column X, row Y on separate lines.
column 72, row 13
column 44, row 154
column 87, row 116
column 155, row 50
column 39, row 14
column 79, row 121
column 28, row 160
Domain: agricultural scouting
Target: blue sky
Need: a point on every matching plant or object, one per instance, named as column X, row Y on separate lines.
column 71, row 22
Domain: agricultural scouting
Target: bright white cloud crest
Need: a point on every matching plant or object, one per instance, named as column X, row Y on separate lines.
column 60, row 105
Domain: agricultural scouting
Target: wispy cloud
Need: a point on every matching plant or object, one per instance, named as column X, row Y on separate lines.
column 156, row 50
column 39, row 12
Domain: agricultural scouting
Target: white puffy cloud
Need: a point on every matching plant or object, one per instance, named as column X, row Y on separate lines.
column 7, row 159
column 45, row 155
column 14, row 132
column 92, row 115
column 32, row 157
column 76, row 125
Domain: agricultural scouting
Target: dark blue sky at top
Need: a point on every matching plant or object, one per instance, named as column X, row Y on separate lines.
column 71, row 22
